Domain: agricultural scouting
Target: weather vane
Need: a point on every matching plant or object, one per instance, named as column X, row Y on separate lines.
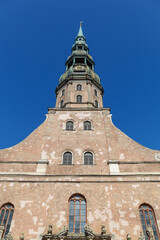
column 81, row 23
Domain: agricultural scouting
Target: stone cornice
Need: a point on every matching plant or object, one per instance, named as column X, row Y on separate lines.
column 53, row 110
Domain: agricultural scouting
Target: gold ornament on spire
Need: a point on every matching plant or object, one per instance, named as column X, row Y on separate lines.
column 81, row 23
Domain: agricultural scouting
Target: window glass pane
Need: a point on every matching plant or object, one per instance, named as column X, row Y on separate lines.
column 71, row 203
column 9, row 223
column 153, row 225
column 82, row 226
column 77, row 205
column 77, row 197
column 83, row 212
column 9, row 220
column 79, row 87
column 77, row 224
column 95, row 92
column 87, row 125
column 61, row 104
column 96, row 104
column 69, row 125
column 79, row 99
column 144, row 207
column 147, row 217
column 83, row 218
column 88, row 158
column 77, row 211
column 83, row 207
column 71, row 227
column 77, row 218
column 6, row 217
column 71, row 218
column 143, row 224
column 71, row 211
column 67, row 158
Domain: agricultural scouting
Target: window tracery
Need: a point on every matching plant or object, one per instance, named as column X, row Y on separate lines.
column 148, row 218
column 6, row 215
column 77, row 213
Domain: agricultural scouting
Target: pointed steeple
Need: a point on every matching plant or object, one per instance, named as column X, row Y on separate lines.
column 80, row 33
column 79, row 72
column 80, row 36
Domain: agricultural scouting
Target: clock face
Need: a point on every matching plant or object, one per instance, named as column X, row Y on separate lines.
column 79, row 68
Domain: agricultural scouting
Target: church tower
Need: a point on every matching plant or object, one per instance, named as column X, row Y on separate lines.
column 79, row 86
column 77, row 172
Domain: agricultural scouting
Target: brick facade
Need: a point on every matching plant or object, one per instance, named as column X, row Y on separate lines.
column 123, row 176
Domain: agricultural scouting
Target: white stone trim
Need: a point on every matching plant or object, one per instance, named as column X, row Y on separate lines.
column 113, row 167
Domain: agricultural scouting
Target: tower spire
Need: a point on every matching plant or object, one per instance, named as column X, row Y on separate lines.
column 80, row 32
column 79, row 86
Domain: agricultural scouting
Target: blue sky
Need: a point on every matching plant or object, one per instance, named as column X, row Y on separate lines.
column 36, row 37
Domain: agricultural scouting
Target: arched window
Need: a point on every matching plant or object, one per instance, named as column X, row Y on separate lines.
column 69, row 125
column 88, row 158
column 148, row 218
column 87, row 125
column 96, row 103
column 63, row 92
column 61, row 104
column 67, row 158
column 77, row 213
column 95, row 92
column 6, row 214
column 79, row 87
column 79, row 99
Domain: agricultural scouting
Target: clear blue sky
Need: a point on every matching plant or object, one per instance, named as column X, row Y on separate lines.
column 124, row 39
